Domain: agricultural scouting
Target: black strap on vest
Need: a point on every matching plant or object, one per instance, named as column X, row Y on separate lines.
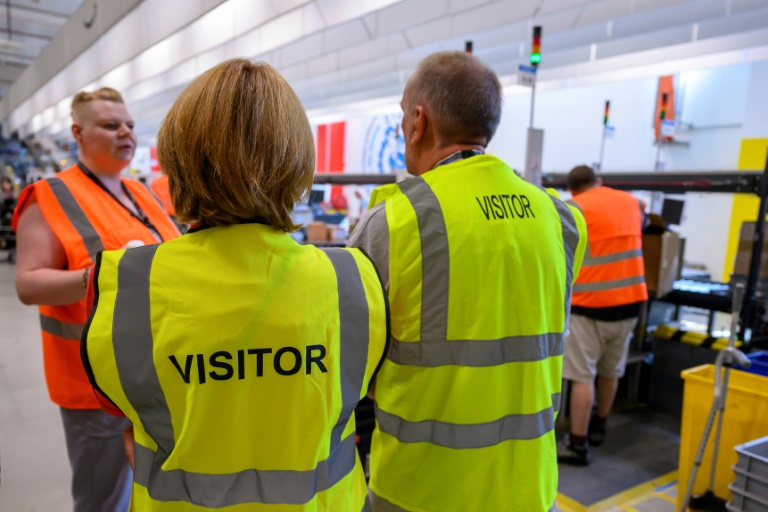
column 459, row 155
column 138, row 214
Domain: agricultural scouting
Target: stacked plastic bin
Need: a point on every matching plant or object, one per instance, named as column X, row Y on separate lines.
column 750, row 490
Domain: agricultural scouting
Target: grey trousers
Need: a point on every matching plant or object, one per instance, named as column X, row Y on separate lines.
column 101, row 476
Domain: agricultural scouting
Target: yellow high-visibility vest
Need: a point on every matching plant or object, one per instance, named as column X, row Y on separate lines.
column 239, row 357
column 482, row 266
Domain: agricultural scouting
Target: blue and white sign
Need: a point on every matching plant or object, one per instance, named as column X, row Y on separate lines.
column 667, row 128
column 526, row 75
column 384, row 151
column 610, row 131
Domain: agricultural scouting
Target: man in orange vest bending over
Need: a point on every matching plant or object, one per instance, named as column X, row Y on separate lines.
column 61, row 223
column 607, row 299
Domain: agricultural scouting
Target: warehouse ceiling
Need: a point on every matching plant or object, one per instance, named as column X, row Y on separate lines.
column 26, row 28
column 338, row 53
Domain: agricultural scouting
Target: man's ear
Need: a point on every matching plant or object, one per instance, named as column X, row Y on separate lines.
column 420, row 123
column 77, row 131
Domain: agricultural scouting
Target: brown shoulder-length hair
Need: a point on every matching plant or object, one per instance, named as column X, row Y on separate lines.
column 236, row 145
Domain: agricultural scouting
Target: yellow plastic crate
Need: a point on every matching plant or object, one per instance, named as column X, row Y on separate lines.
column 745, row 419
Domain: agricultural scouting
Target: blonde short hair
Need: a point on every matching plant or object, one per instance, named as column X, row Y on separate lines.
column 84, row 97
column 237, row 145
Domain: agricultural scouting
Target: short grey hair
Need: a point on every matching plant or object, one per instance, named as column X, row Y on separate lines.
column 461, row 92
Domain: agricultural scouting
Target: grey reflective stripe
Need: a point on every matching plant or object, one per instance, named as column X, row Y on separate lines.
column 476, row 353
column 353, row 324
column 570, row 244
column 379, row 504
column 590, row 261
column 514, row 427
column 76, row 217
column 64, row 330
column 133, row 346
column 602, row 286
column 574, row 204
column 159, row 202
column 248, row 486
column 435, row 258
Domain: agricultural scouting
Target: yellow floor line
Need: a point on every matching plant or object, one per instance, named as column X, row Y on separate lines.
column 567, row 504
column 628, row 508
column 633, row 493
column 665, row 497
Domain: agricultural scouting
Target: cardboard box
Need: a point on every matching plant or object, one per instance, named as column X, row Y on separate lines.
column 744, row 251
column 317, row 232
column 661, row 255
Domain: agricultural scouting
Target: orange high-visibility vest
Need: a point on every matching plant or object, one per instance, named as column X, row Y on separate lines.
column 612, row 273
column 163, row 192
column 86, row 220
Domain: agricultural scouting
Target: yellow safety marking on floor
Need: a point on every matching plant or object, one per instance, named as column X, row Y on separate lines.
column 665, row 497
column 751, row 158
column 628, row 508
column 639, row 491
column 567, row 504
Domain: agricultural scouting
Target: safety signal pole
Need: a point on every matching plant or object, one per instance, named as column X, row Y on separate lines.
column 535, row 141
column 468, row 46
column 605, row 132
column 535, row 59
column 662, row 117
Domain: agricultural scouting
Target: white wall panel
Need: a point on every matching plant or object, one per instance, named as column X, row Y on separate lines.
column 714, row 97
column 756, row 116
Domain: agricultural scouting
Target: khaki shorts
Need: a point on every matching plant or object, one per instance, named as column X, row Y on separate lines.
column 595, row 347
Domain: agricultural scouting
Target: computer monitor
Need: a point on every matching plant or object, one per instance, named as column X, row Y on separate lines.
column 316, row 196
column 319, row 194
column 672, row 211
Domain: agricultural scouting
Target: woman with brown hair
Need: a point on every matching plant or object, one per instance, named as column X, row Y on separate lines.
column 237, row 354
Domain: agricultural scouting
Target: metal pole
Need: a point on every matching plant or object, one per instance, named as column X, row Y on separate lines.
column 753, row 277
column 533, row 99
column 662, row 117
column 602, row 150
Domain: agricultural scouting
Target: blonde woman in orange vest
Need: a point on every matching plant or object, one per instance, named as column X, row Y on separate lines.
column 607, row 299
column 61, row 224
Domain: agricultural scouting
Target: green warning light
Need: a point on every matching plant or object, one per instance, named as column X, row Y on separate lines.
column 535, row 58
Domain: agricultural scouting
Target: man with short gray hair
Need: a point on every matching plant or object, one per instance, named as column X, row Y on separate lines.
column 479, row 267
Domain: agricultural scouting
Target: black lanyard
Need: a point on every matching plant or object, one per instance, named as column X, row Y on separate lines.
column 459, row 155
column 138, row 214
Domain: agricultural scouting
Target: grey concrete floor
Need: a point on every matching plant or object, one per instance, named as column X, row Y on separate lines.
column 33, row 457
column 641, row 445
